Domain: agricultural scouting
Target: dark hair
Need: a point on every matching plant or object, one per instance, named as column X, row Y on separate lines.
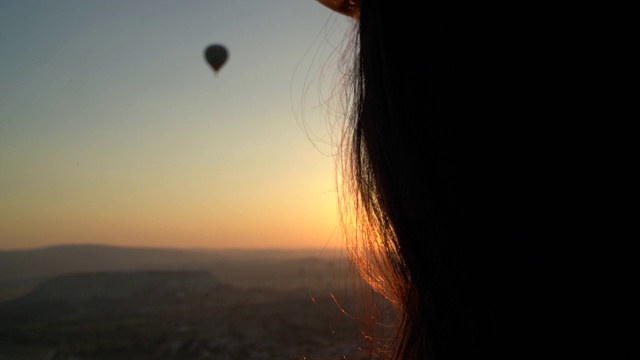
column 466, row 150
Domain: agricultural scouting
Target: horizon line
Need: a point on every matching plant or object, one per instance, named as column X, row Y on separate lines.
column 192, row 248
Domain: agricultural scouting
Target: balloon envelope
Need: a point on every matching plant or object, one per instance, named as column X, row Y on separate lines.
column 216, row 55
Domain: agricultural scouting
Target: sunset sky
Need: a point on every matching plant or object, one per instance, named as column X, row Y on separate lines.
column 113, row 129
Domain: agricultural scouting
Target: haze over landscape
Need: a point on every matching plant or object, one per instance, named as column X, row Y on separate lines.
column 104, row 302
column 113, row 130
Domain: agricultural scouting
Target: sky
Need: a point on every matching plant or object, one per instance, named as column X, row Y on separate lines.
column 114, row 130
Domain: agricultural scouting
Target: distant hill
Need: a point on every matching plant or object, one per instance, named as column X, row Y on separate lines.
column 84, row 258
column 132, row 285
column 22, row 270
column 101, row 297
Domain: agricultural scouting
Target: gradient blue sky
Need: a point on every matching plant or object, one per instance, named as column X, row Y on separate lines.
column 113, row 129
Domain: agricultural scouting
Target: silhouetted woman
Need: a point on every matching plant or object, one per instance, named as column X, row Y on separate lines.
column 476, row 138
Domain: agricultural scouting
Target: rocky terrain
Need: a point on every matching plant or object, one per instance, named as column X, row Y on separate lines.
column 174, row 314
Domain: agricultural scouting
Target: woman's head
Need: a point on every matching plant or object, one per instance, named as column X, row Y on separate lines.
column 403, row 148
column 456, row 142
column 345, row 7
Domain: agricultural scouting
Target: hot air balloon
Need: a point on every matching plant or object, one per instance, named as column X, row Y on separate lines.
column 216, row 55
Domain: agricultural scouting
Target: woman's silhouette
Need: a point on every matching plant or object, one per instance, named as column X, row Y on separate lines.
column 475, row 146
